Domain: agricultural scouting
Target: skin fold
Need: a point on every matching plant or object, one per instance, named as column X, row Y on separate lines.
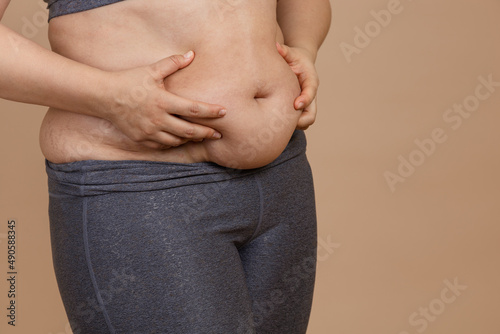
column 118, row 86
column 237, row 65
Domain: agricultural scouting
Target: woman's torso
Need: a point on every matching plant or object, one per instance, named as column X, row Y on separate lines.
column 236, row 66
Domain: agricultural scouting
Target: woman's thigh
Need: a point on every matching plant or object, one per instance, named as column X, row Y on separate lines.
column 280, row 261
column 163, row 261
column 144, row 247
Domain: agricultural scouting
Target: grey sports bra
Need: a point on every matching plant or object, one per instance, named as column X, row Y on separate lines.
column 63, row 7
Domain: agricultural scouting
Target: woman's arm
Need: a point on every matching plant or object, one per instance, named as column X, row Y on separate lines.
column 304, row 25
column 33, row 74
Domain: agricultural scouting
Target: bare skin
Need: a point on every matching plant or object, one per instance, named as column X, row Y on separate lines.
column 114, row 95
column 237, row 65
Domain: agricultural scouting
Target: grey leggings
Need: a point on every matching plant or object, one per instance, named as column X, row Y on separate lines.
column 152, row 247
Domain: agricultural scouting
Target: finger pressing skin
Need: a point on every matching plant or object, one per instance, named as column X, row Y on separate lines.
column 309, row 90
column 282, row 49
column 187, row 130
column 308, row 116
column 168, row 140
column 286, row 53
column 167, row 66
column 154, row 145
column 305, row 120
column 184, row 107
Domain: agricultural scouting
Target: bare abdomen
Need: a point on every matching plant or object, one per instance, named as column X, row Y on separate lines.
column 242, row 72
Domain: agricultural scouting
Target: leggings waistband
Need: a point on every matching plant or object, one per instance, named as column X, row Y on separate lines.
column 64, row 7
column 98, row 177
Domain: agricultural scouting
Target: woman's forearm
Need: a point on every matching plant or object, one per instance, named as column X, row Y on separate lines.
column 33, row 74
column 304, row 23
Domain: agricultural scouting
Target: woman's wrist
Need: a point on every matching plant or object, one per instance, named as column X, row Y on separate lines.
column 309, row 50
column 106, row 95
column 102, row 103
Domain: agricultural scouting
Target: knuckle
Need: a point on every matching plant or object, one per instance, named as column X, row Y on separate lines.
column 176, row 142
column 163, row 104
column 156, row 146
column 156, row 122
column 149, row 130
column 189, row 132
column 311, row 93
column 155, row 72
column 152, row 68
column 176, row 60
column 194, row 109
column 136, row 136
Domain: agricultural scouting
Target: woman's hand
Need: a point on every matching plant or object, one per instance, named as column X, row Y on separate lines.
column 302, row 64
column 145, row 112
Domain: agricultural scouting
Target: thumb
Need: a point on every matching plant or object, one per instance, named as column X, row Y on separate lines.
column 284, row 51
column 167, row 66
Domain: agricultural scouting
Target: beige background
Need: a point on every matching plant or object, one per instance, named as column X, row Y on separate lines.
column 383, row 254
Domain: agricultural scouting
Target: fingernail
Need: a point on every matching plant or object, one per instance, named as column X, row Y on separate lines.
column 188, row 54
column 222, row 112
column 300, row 105
column 216, row 135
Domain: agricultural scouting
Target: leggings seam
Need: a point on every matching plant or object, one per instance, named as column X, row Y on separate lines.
column 91, row 270
column 261, row 209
